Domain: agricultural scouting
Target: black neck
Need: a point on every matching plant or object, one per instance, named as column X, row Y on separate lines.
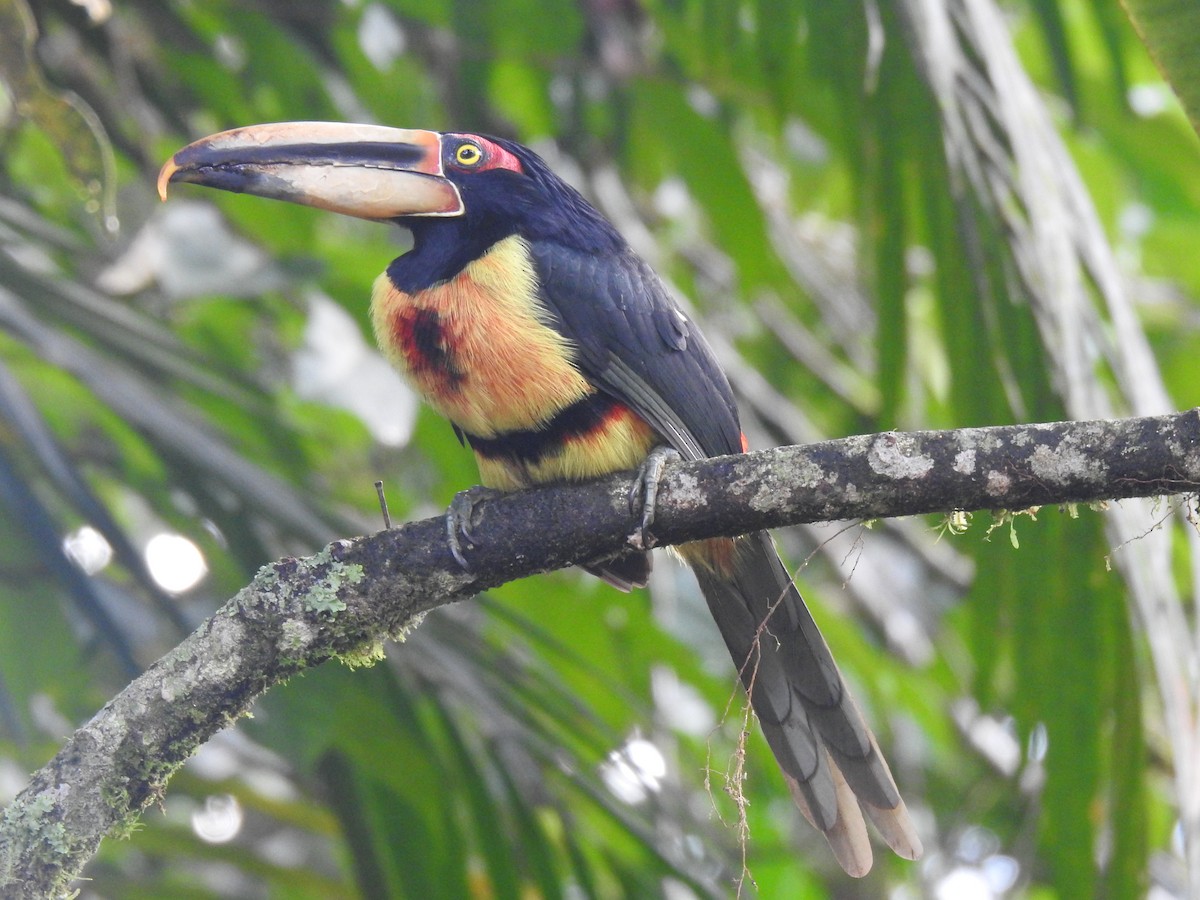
column 441, row 249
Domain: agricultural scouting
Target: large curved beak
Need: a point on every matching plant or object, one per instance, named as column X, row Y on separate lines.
column 358, row 170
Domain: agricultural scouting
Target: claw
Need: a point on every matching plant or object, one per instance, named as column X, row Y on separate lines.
column 644, row 493
column 460, row 519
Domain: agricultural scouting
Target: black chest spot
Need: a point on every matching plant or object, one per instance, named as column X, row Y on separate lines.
column 426, row 344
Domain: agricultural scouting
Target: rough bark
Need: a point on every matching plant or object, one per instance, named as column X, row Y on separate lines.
column 347, row 599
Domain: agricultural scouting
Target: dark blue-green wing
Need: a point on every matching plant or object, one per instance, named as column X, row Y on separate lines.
column 635, row 343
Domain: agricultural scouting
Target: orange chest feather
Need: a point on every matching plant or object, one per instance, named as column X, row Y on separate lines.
column 478, row 347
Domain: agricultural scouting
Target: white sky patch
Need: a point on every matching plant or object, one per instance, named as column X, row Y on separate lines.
column 679, row 704
column 380, row 36
column 97, row 10
column 1039, row 743
column 219, row 820
column 964, row 883
column 1149, row 99
column 13, row 780
column 703, row 101
column 166, row 251
column 47, row 717
column 1001, row 872
column 993, row 736
column 336, row 366
column 175, row 563
column 1134, row 220
column 984, row 877
column 672, row 199
column 88, row 549
column 634, row 771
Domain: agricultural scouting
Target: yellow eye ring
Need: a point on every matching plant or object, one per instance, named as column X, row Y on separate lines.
column 468, row 155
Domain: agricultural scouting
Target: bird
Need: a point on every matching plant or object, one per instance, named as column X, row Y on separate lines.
column 522, row 316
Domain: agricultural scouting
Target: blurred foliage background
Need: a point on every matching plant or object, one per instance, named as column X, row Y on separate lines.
column 886, row 214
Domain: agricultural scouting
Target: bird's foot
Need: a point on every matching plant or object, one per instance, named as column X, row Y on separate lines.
column 644, row 494
column 460, row 519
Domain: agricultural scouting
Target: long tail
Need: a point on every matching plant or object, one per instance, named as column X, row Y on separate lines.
column 818, row 735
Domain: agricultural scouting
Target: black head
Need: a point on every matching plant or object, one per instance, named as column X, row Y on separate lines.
column 506, row 190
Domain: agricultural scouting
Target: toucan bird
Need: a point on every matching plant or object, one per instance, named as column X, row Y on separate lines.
column 522, row 316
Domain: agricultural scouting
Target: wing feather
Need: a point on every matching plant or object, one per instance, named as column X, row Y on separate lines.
column 635, row 343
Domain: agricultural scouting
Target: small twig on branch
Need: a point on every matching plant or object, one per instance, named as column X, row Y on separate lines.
column 347, row 599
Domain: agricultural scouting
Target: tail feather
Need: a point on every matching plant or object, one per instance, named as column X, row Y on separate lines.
column 847, row 836
column 820, row 739
column 624, row 572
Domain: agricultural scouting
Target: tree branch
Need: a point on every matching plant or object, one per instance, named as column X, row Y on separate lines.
column 347, row 599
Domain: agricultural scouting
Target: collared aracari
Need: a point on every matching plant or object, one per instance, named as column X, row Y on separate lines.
column 522, row 316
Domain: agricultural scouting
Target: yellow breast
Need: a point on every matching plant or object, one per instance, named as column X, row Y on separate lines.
column 478, row 347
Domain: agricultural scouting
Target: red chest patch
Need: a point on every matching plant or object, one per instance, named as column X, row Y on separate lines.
column 421, row 337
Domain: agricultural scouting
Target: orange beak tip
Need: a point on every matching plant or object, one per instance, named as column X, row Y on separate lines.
column 164, row 178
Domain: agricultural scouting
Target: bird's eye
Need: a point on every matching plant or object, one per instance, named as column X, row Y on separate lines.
column 468, row 155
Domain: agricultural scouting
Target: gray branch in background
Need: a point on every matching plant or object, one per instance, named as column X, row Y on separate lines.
column 346, row 600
